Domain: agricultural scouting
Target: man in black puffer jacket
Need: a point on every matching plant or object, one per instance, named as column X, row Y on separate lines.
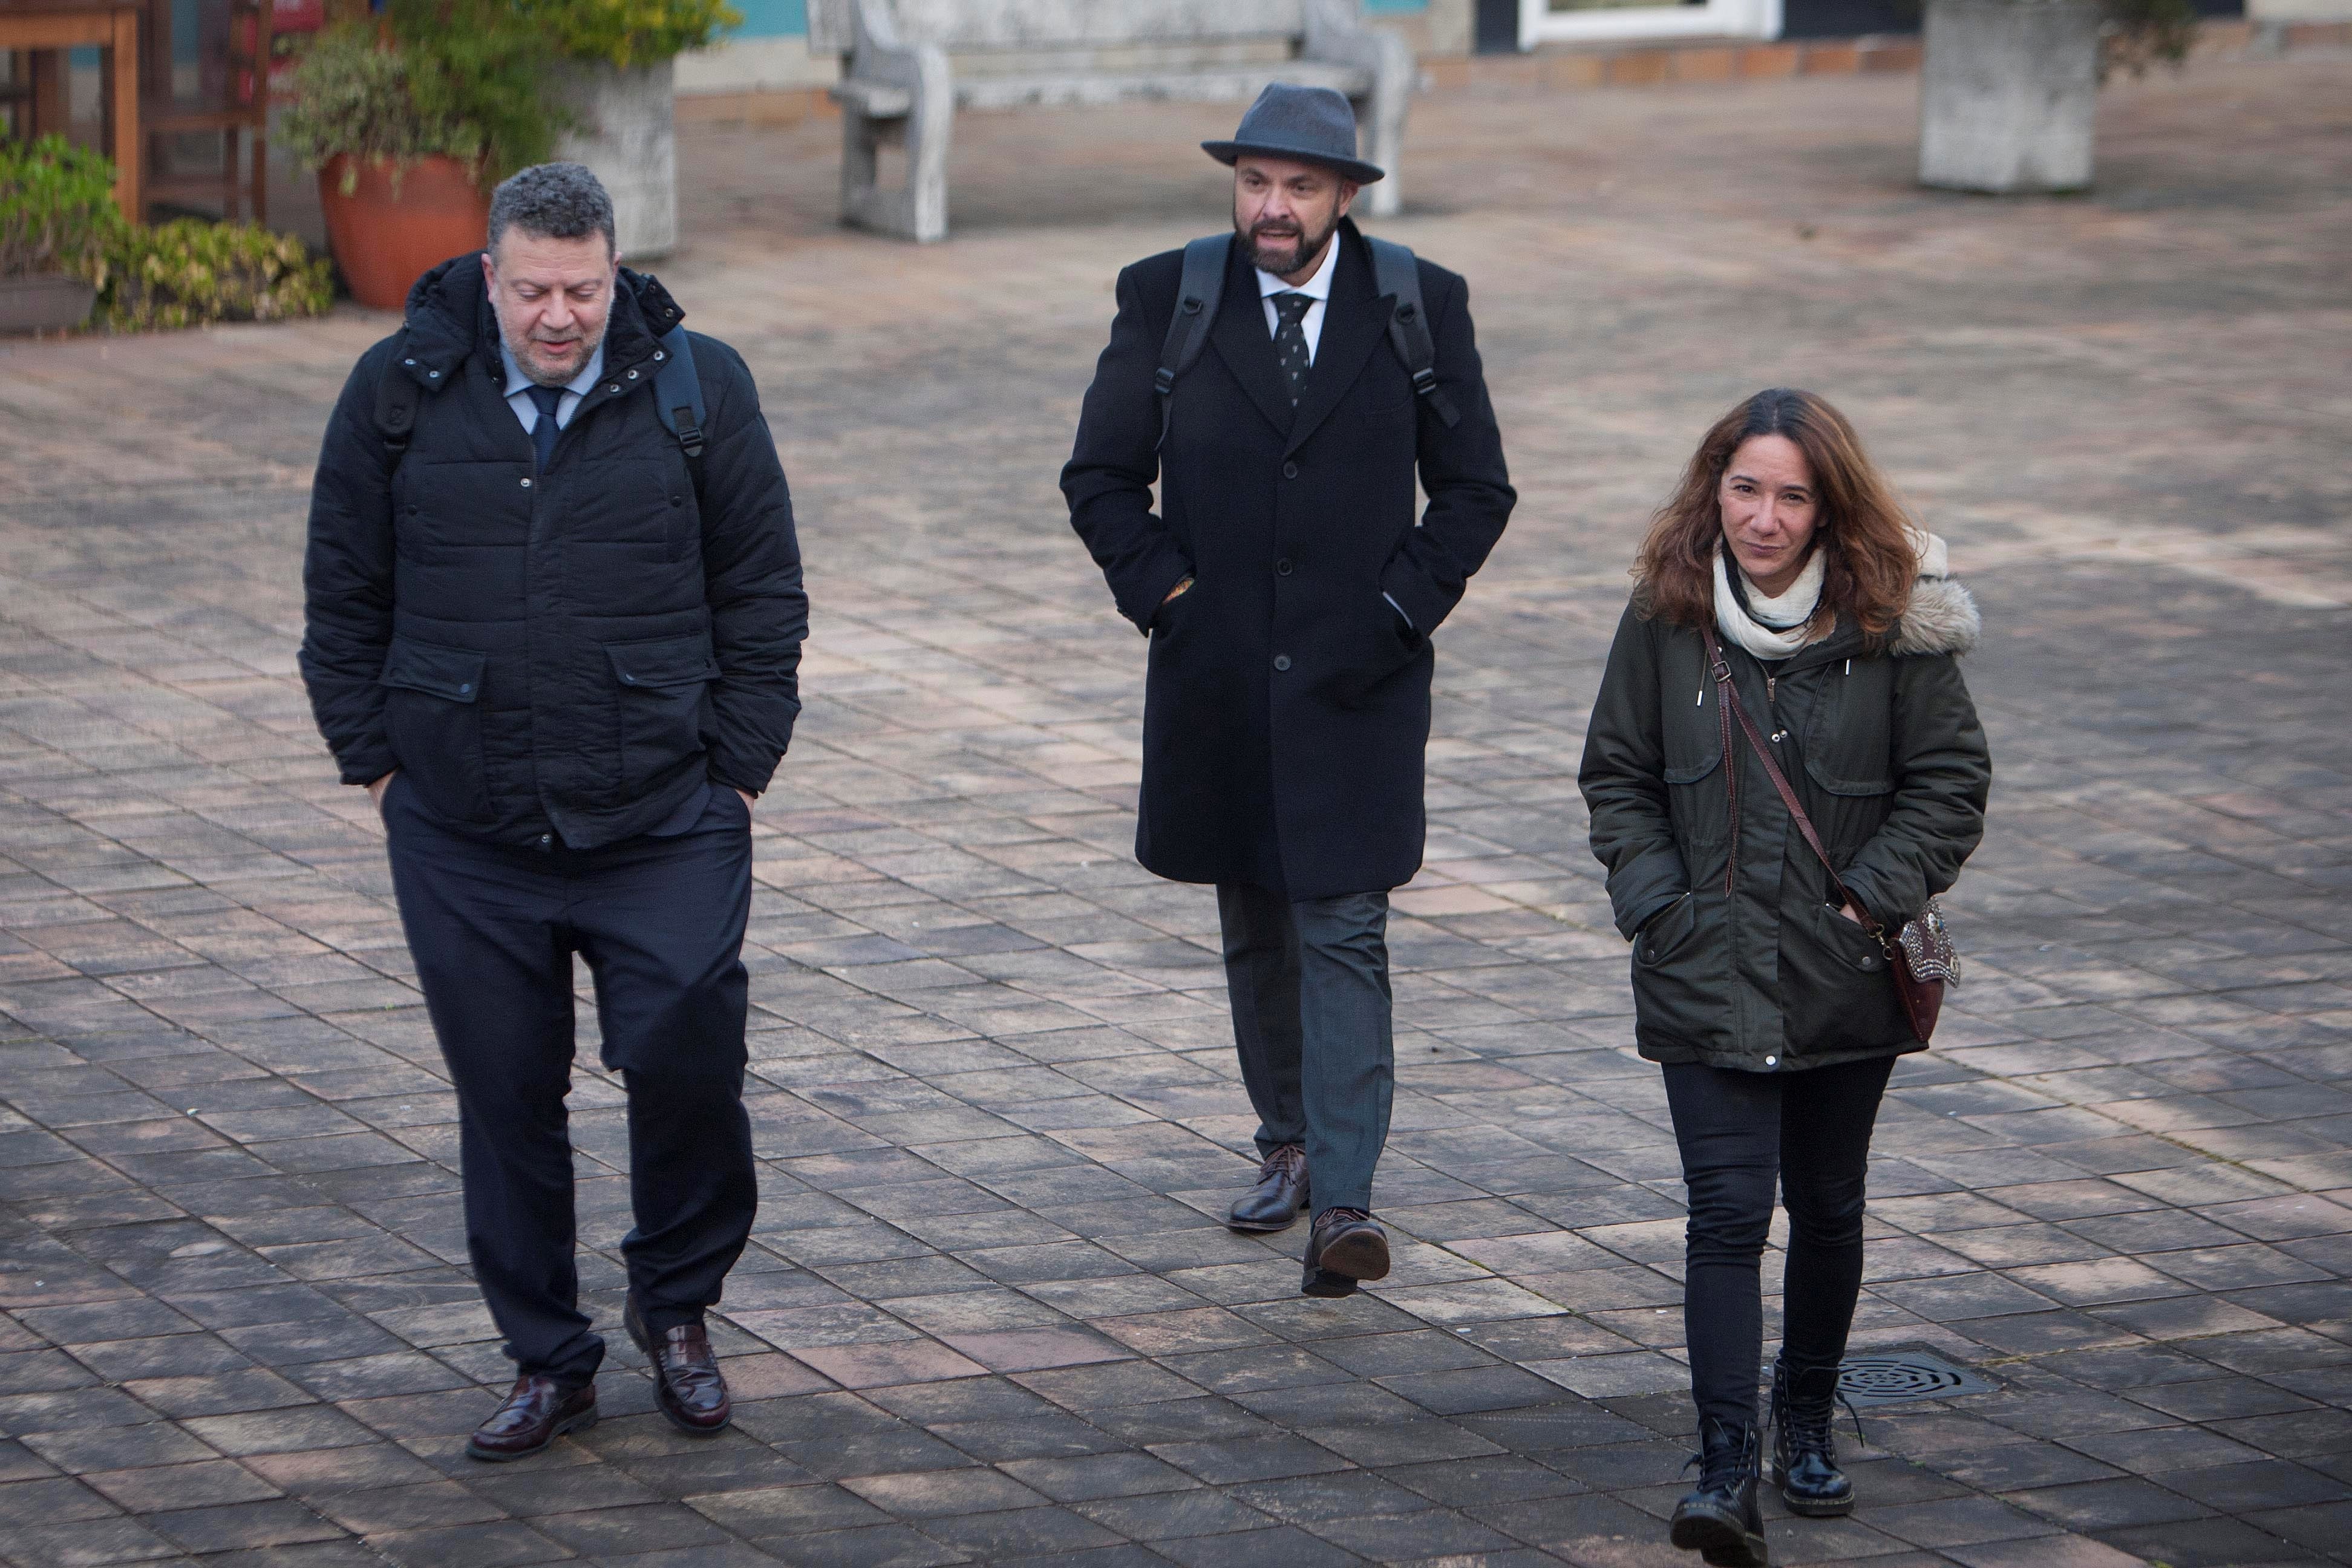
column 563, row 662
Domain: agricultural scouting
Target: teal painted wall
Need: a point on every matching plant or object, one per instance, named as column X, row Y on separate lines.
column 771, row 18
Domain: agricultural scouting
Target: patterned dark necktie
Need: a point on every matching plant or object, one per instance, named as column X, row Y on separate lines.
column 547, row 399
column 1290, row 340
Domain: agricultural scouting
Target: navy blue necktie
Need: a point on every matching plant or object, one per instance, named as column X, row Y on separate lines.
column 543, row 434
column 1290, row 340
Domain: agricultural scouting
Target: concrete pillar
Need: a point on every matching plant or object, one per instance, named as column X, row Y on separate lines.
column 629, row 139
column 2006, row 93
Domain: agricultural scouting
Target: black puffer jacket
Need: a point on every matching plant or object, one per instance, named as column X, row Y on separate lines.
column 574, row 651
column 1884, row 751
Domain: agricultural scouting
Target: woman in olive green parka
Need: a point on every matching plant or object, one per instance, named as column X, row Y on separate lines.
column 1767, row 1003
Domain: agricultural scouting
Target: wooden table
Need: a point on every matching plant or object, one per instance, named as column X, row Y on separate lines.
column 111, row 26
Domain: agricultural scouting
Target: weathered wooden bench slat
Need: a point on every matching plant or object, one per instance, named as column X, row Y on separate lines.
column 898, row 86
column 878, row 99
column 1201, row 86
column 957, row 24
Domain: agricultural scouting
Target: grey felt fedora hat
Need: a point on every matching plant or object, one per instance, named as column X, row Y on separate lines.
column 1312, row 124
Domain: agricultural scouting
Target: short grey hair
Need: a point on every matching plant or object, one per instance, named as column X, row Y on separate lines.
column 553, row 201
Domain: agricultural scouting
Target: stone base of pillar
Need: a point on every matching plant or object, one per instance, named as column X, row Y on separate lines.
column 627, row 137
column 2006, row 94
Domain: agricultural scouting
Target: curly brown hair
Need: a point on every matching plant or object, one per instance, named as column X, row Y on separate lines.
column 1869, row 559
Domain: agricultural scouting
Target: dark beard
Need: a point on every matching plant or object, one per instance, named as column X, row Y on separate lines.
column 1280, row 258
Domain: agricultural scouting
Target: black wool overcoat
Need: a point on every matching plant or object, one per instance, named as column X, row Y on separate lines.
column 1287, row 702
column 576, row 650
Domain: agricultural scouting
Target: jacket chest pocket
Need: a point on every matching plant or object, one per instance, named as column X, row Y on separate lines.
column 1696, row 793
column 433, row 717
column 642, row 507
column 663, row 689
column 440, row 507
column 1849, row 736
column 1848, row 749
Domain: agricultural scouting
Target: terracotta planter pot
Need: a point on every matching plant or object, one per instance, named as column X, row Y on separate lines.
column 383, row 239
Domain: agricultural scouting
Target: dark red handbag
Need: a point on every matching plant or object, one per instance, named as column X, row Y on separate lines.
column 1920, row 957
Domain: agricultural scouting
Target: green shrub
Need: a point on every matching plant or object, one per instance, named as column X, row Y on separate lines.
column 190, row 271
column 351, row 96
column 482, row 63
column 631, row 32
column 57, row 206
column 2141, row 33
column 457, row 78
column 57, row 214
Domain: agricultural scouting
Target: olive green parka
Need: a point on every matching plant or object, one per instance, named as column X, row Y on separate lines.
column 1887, row 753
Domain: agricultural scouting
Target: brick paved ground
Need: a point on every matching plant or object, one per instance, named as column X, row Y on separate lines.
column 988, row 1314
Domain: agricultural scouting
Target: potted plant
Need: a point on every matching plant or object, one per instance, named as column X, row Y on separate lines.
column 616, row 70
column 56, row 207
column 2007, row 87
column 410, row 119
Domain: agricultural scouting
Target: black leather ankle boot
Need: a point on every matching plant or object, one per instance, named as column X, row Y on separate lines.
column 1720, row 1520
column 1804, row 1452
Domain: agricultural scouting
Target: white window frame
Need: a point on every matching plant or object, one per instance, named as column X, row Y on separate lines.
column 1538, row 23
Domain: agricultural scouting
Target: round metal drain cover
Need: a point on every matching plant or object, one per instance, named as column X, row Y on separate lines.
column 1893, row 1376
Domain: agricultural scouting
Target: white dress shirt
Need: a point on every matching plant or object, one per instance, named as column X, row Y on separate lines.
column 1318, row 288
column 519, row 388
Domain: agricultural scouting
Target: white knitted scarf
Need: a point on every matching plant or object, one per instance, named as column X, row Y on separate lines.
column 1782, row 624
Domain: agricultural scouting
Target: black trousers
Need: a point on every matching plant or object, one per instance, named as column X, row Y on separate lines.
column 660, row 920
column 1310, row 985
column 1739, row 1132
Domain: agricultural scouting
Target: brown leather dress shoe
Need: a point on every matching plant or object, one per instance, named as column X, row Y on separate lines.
column 688, row 1384
column 1281, row 1192
column 1346, row 1245
column 538, row 1410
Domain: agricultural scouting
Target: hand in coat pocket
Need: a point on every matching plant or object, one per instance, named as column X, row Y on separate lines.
column 1385, row 642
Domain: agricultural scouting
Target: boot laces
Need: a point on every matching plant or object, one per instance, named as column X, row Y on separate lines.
column 1809, row 1423
column 1723, row 1465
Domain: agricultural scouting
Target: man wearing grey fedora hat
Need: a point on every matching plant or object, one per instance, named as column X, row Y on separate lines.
column 1286, row 386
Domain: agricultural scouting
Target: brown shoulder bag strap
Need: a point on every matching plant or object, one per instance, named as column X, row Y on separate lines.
column 1729, row 698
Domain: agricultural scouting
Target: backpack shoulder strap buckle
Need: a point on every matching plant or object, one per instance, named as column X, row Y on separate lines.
column 678, row 399
column 1396, row 273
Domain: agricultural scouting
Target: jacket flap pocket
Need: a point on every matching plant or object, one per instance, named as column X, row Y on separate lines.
column 664, row 661
column 1837, row 783
column 1694, row 770
column 454, row 673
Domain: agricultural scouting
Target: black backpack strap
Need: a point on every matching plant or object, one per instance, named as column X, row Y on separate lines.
column 395, row 403
column 1196, row 311
column 1395, row 272
column 678, row 399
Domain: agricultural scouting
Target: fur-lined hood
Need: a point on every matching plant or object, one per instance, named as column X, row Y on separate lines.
column 1942, row 616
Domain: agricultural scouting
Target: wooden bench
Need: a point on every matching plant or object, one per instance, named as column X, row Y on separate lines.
column 898, row 86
